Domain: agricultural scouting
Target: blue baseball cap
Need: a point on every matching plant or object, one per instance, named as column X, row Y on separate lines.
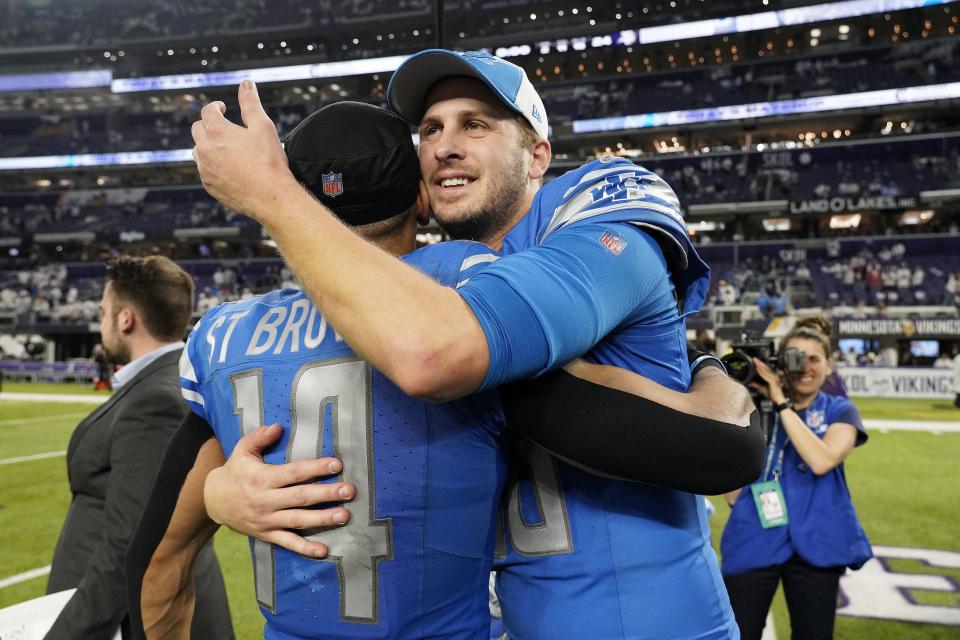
column 413, row 79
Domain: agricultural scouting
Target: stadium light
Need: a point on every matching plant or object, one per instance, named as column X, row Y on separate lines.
column 840, row 102
column 649, row 35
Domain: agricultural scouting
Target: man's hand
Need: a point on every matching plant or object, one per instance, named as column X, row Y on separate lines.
column 267, row 500
column 244, row 168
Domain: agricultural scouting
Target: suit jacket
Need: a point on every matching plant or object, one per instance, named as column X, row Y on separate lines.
column 112, row 459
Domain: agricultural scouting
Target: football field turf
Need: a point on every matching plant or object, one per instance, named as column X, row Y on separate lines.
column 904, row 484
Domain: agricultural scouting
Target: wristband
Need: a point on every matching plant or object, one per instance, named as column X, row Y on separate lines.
column 706, row 360
column 784, row 405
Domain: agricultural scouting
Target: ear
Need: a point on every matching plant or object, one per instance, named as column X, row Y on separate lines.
column 126, row 320
column 422, row 206
column 541, row 159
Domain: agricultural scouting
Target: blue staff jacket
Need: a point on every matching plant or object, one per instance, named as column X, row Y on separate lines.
column 822, row 527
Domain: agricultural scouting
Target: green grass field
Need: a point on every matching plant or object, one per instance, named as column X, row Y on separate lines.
column 904, row 486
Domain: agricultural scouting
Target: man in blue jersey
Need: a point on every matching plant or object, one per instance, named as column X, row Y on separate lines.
column 602, row 258
column 411, row 561
column 225, row 387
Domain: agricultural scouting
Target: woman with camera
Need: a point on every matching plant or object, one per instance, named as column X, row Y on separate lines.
column 796, row 523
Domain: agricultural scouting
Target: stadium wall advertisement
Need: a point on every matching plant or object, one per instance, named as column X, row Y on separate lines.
column 883, row 382
column 845, row 205
column 902, row 327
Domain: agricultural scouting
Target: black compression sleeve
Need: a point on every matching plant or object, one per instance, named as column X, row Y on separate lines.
column 178, row 460
column 619, row 434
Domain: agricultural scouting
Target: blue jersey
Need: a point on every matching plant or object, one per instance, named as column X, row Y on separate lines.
column 585, row 556
column 414, row 559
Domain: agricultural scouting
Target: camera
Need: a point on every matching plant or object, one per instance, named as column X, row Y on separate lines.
column 739, row 362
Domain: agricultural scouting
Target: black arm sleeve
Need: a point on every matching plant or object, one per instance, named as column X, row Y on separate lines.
column 178, row 460
column 621, row 435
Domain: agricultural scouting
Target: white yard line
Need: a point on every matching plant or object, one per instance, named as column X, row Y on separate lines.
column 23, row 577
column 40, row 420
column 36, row 456
column 53, row 397
column 913, row 425
column 769, row 632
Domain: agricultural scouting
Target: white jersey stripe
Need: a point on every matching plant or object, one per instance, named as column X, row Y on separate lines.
column 480, row 258
column 192, row 396
column 582, row 214
column 186, row 367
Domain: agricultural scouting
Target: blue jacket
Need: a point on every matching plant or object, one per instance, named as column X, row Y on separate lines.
column 823, row 528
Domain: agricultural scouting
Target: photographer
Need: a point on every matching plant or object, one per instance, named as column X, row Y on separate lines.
column 797, row 522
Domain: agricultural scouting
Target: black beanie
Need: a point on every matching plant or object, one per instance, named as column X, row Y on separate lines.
column 357, row 159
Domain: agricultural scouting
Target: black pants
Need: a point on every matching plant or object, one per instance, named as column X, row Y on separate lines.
column 811, row 594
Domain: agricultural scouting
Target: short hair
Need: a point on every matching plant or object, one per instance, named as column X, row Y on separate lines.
column 158, row 288
column 527, row 136
column 374, row 231
column 815, row 328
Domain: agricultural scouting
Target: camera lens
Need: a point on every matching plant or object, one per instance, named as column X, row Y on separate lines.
column 739, row 366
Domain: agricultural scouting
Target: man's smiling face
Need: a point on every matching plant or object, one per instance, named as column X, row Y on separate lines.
column 472, row 161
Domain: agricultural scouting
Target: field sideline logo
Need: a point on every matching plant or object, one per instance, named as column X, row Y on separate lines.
column 878, row 591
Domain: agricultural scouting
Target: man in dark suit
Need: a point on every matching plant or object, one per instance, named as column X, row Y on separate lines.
column 114, row 454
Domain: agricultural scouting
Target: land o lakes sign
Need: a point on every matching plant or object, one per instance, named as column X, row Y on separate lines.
column 854, row 204
column 884, row 588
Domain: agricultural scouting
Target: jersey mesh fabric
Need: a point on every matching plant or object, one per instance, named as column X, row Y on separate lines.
column 414, row 560
column 584, row 556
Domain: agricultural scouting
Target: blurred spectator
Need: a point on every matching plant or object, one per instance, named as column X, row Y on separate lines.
column 956, row 378
column 918, row 277
column 104, row 369
column 704, row 342
column 950, row 290
column 903, row 278
column 727, row 293
column 872, row 277
column 771, row 302
column 889, row 278
column 850, row 357
column 889, row 357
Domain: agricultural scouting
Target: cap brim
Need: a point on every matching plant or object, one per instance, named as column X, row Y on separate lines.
column 413, row 79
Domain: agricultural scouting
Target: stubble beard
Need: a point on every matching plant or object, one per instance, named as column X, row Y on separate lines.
column 497, row 208
column 116, row 353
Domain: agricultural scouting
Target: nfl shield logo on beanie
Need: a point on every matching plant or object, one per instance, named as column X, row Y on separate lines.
column 332, row 184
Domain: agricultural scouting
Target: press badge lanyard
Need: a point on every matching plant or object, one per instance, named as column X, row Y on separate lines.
column 772, row 452
column 767, row 495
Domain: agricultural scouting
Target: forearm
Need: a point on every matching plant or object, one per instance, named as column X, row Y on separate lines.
column 713, row 394
column 172, row 529
column 420, row 334
column 817, row 453
column 167, row 597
